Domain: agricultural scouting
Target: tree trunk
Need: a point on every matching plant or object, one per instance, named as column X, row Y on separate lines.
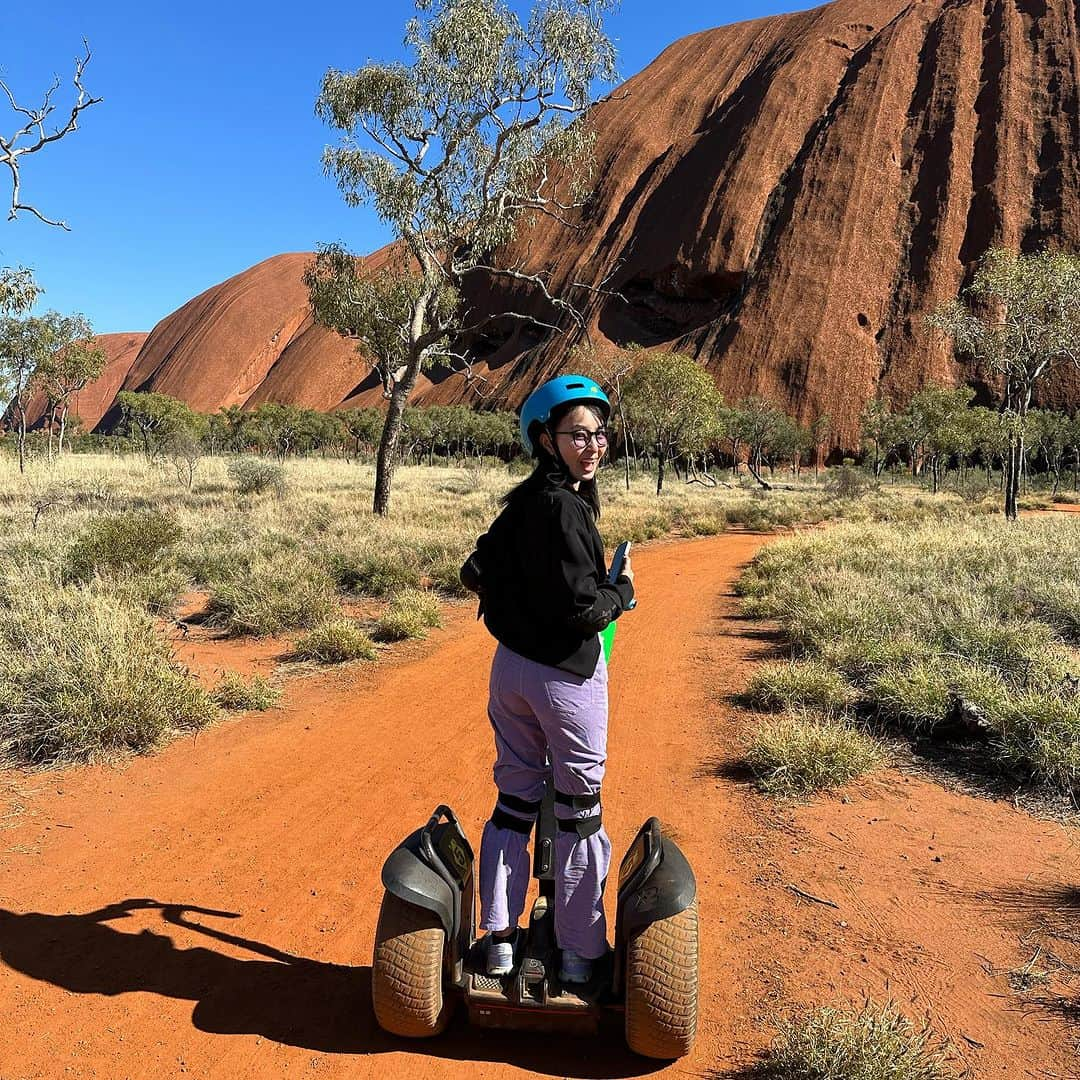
column 21, row 412
column 660, row 456
column 63, row 429
column 386, row 459
column 754, row 472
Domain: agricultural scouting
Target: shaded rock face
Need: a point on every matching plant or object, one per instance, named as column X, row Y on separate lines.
column 785, row 199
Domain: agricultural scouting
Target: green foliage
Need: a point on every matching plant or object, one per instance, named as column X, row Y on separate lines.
column 671, row 404
column 799, row 753
column 130, row 542
column 875, row 1043
column 335, row 642
column 253, row 476
column 282, row 591
column 410, row 614
column 237, row 694
column 84, row 675
column 154, row 420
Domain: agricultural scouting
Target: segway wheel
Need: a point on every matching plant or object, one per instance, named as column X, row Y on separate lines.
column 662, row 987
column 406, row 971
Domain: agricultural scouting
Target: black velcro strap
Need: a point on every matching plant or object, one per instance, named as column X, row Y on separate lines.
column 522, row 806
column 584, row 827
column 502, row 820
column 578, row 802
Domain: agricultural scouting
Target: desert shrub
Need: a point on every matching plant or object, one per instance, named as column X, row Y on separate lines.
column 849, row 481
column 253, row 476
column 282, row 592
column 84, row 675
column 409, row 615
column 237, row 694
column 810, row 683
column 373, row 572
column 129, row 542
column 875, row 1043
column 335, row 642
column 797, row 754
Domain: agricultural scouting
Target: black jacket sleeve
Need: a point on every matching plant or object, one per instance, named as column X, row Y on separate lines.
column 580, row 592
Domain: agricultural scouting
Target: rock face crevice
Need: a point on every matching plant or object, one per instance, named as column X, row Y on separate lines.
column 785, row 199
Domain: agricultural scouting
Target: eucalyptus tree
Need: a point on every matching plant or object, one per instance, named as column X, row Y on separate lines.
column 672, row 404
column 30, row 351
column 882, row 432
column 1020, row 317
column 76, row 361
column 480, row 131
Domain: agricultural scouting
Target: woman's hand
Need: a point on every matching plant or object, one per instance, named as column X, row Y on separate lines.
column 628, row 570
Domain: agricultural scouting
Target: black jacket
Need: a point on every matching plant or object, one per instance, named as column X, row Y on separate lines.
column 542, row 580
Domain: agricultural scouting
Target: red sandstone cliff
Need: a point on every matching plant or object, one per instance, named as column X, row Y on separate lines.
column 785, row 199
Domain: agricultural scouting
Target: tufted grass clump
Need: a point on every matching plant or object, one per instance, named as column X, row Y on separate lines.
column 971, row 623
column 282, row 592
column 373, row 571
column 85, row 676
column 410, row 614
column 335, row 642
column 799, row 753
column 811, row 684
column 877, row 1042
column 234, row 693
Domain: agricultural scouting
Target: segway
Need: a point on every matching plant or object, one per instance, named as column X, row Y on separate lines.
column 427, row 953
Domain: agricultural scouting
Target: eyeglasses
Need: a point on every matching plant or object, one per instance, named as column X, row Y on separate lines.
column 581, row 438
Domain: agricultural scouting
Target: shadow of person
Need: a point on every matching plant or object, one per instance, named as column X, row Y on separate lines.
column 288, row 999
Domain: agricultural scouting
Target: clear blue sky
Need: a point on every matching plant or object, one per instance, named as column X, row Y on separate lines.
column 204, row 157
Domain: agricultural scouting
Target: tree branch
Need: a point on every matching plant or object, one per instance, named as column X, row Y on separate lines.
column 10, row 150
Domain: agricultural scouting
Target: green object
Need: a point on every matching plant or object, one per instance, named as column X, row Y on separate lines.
column 607, row 636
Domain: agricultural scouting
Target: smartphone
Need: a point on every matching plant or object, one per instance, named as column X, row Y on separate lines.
column 617, row 563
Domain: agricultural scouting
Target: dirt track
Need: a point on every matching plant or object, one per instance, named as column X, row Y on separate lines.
column 277, row 824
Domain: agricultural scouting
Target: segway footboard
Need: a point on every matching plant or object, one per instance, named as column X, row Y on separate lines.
column 656, row 945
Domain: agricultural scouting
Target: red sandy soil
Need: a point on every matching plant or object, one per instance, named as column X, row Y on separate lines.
column 277, row 824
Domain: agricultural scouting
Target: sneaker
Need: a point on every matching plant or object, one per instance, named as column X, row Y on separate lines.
column 575, row 969
column 500, row 956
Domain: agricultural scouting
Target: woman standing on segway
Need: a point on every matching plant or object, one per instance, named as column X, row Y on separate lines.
column 545, row 597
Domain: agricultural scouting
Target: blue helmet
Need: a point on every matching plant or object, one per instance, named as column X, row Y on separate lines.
column 555, row 392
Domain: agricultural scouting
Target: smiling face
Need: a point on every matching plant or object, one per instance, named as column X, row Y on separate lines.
column 582, row 462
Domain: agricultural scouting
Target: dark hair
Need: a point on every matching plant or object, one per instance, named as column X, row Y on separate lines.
column 550, row 468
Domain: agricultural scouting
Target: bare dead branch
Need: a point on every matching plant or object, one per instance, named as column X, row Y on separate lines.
column 13, row 148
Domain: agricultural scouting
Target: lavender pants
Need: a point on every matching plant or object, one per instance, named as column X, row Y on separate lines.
column 542, row 714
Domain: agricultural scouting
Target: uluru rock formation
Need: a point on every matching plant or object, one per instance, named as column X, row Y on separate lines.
column 785, row 199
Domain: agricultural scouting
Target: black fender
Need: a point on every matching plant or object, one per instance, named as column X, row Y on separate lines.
column 669, row 889
column 407, row 875
column 655, row 882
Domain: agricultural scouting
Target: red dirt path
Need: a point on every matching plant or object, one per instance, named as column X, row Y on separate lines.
column 279, row 823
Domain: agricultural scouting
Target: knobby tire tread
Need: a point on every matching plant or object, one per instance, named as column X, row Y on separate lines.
column 662, row 987
column 406, row 971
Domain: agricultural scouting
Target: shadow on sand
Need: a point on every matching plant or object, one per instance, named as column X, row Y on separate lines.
column 289, row 999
